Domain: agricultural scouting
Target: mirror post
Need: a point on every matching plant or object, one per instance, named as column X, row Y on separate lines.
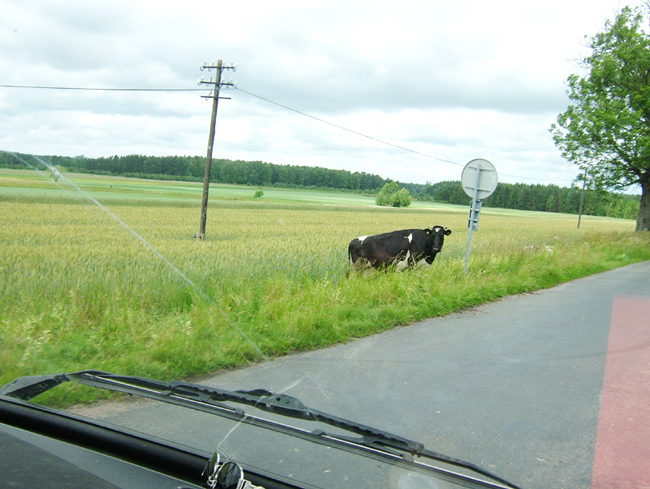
column 473, row 215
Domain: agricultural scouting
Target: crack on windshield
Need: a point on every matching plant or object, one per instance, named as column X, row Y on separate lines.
column 317, row 383
column 222, row 448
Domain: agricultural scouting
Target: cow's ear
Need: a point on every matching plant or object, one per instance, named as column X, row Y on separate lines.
column 447, row 232
column 428, row 230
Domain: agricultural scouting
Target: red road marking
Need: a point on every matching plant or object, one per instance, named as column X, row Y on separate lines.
column 622, row 457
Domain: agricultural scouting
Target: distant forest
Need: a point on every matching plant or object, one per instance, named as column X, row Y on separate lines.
column 534, row 197
column 545, row 198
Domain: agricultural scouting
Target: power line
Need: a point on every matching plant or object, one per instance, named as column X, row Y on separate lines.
column 349, row 130
column 99, row 89
column 383, row 141
column 323, row 121
column 403, row 148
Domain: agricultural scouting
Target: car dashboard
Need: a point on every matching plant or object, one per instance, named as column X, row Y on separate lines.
column 44, row 448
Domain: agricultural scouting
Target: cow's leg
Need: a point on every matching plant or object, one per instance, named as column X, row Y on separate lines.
column 361, row 264
column 401, row 265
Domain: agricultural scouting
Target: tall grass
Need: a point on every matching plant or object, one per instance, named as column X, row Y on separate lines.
column 78, row 291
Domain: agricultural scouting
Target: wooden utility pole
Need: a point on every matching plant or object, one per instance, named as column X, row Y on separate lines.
column 208, row 161
column 582, row 198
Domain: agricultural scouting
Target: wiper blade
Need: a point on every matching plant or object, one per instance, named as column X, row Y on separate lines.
column 212, row 400
column 289, row 406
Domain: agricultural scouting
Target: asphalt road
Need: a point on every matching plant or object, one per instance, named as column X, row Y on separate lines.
column 514, row 386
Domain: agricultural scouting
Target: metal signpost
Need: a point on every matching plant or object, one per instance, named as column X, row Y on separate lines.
column 479, row 179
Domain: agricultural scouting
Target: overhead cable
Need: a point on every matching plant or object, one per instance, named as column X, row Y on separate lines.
column 323, row 121
column 98, row 89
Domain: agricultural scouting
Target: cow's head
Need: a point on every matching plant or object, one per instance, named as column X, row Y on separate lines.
column 438, row 233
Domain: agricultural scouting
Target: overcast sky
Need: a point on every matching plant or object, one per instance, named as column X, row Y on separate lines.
column 448, row 80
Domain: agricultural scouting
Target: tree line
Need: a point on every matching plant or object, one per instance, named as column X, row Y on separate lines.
column 192, row 168
column 535, row 197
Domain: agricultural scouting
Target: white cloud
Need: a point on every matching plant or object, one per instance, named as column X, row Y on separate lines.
column 451, row 80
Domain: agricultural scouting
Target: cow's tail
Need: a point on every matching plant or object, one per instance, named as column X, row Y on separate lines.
column 347, row 273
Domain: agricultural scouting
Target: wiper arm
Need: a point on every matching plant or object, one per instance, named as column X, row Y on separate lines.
column 289, row 406
column 211, row 399
column 26, row 388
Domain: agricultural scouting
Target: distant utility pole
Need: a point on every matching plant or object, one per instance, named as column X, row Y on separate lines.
column 215, row 103
column 582, row 198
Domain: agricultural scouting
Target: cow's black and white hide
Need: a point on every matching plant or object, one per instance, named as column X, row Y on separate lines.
column 404, row 249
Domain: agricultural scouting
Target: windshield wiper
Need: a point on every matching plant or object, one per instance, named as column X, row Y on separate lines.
column 26, row 388
column 213, row 400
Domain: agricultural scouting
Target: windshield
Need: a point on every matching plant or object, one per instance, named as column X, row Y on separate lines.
column 412, row 345
column 121, row 286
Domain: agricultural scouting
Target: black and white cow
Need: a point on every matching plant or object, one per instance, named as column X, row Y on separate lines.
column 404, row 248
